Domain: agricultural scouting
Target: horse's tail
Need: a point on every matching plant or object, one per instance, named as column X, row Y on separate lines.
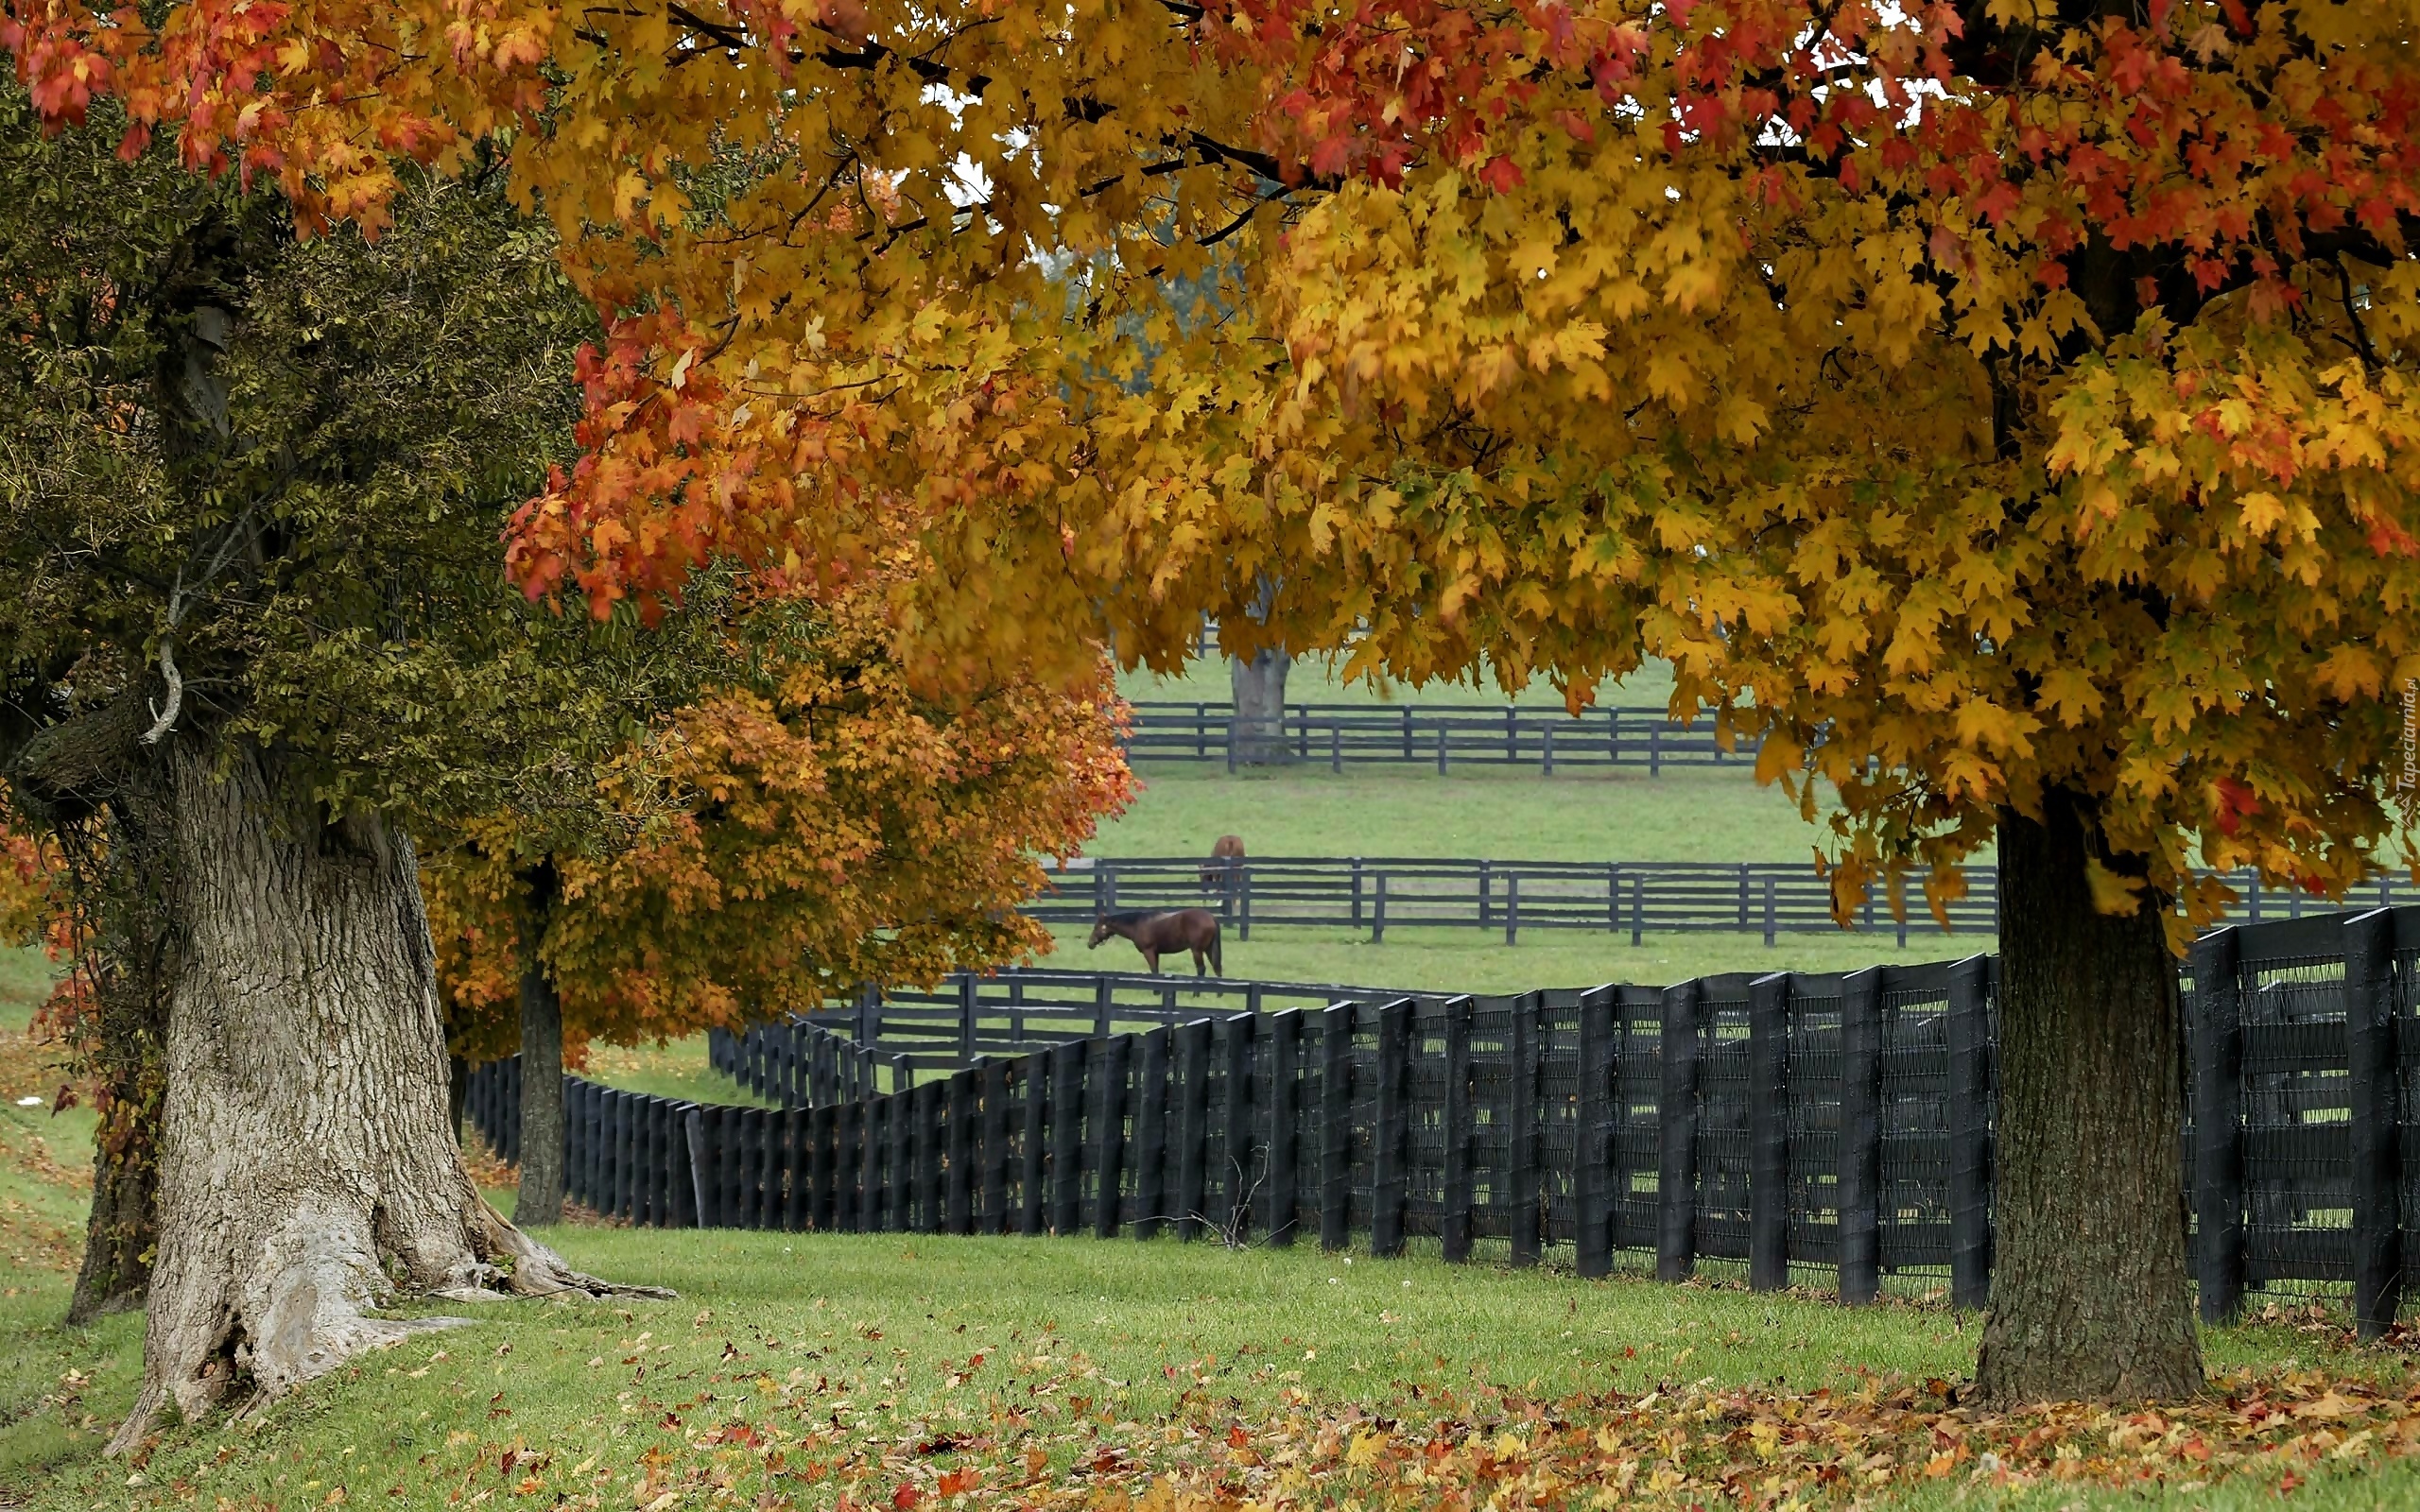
column 1217, row 967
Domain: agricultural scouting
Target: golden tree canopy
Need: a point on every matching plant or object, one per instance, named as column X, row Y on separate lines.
column 1977, row 398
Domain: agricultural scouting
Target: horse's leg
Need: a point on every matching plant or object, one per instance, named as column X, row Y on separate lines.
column 1150, row 959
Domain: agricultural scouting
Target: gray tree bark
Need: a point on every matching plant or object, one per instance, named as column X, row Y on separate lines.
column 2090, row 1297
column 540, row 1200
column 1259, row 684
column 307, row 1176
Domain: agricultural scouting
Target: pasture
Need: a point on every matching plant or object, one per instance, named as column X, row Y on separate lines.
column 1685, row 814
column 855, row 1371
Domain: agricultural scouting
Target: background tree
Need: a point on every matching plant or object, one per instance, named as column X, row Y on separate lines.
column 254, row 630
column 815, row 825
column 2005, row 407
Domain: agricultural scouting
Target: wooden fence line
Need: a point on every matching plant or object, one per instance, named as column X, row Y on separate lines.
column 1376, row 893
column 1783, row 1122
column 1443, row 736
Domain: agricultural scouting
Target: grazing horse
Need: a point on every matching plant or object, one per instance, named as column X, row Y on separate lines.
column 1224, row 857
column 1159, row 934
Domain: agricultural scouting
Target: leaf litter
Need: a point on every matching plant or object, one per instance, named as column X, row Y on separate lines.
column 1044, row 1432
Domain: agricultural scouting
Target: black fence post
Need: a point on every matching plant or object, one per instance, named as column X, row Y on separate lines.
column 1390, row 1151
column 1676, row 1188
column 2218, row 1125
column 915, row 1156
column 1459, row 1193
column 1066, row 1137
column 995, row 1149
column 822, row 1132
column 1335, row 1127
column 1236, row 1183
column 1284, row 1124
column 1859, row 1170
column 1769, row 1130
column 2370, row 1031
column 743, row 1148
column 1592, row 1200
column 1192, row 1123
column 848, row 1139
column 964, row 1094
column 881, row 1172
column 1109, row 1134
column 1152, row 1135
column 970, row 1010
column 1970, row 1133
column 693, row 1126
column 1033, row 1217
column 798, row 1159
column 1524, row 1068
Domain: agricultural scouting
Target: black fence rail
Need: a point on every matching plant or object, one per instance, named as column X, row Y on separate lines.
column 1638, row 897
column 1441, row 736
column 1797, row 1124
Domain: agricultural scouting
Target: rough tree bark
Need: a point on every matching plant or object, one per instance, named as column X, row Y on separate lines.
column 306, row 1174
column 540, row 1199
column 2089, row 1288
column 1259, row 684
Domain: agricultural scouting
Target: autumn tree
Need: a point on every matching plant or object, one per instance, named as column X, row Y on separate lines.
column 816, row 824
column 2003, row 408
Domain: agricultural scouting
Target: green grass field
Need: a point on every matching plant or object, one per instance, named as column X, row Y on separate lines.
column 1475, row 960
column 1689, row 813
column 867, row 1343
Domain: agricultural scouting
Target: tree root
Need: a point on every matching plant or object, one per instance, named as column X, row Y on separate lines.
column 309, row 1308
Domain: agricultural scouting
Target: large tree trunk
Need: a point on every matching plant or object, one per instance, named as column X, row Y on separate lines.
column 2089, row 1294
column 306, row 1171
column 540, row 1200
column 1259, row 691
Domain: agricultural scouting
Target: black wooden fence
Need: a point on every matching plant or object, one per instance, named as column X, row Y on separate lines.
column 1641, row 898
column 1803, row 1123
column 1379, row 893
column 1443, row 736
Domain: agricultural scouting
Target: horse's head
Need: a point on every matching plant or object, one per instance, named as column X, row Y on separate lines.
column 1100, row 931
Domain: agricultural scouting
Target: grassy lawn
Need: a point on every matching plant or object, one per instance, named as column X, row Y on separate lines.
column 677, row 1070
column 1476, row 960
column 1051, row 1372
column 1689, row 813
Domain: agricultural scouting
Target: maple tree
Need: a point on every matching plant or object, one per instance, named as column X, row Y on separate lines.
column 2004, row 408
column 821, row 825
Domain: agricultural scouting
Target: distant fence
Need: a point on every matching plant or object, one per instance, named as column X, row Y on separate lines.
column 1443, row 736
column 1637, row 897
column 1838, row 1123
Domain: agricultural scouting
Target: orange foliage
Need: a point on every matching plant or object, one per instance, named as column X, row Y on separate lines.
column 833, row 828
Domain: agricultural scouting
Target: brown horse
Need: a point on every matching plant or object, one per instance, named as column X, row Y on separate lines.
column 1159, row 934
column 1224, row 857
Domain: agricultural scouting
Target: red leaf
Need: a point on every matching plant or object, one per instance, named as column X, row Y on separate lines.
column 905, row 1497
